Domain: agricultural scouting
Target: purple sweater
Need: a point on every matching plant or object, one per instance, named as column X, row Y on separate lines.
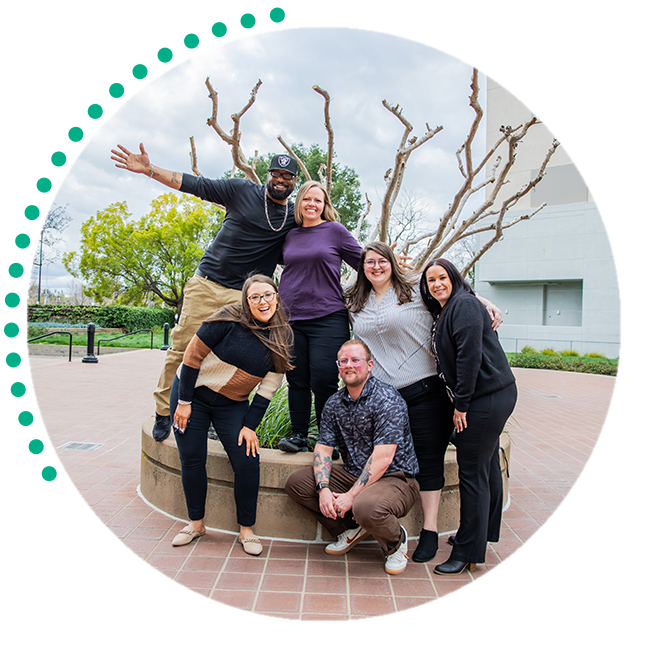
column 310, row 285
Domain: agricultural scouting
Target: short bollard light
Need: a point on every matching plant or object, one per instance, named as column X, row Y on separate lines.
column 165, row 345
column 90, row 347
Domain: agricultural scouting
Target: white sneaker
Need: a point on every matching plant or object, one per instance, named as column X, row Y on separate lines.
column 397, row 561
column 346, row 540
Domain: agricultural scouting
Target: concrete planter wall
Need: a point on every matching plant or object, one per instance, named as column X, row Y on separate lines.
column 277, row 515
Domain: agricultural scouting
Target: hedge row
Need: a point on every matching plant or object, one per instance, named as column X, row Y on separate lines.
column 571, row 364
column 130, row 318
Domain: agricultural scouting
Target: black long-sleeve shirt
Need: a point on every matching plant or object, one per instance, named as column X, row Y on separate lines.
column 246, row 243
column 470, row 357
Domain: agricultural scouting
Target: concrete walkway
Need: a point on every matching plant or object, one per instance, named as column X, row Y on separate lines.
column 555, row 426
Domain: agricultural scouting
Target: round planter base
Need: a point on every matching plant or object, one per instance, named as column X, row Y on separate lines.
column 277, row 515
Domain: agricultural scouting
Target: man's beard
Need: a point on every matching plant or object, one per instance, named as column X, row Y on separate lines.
column 276, row 194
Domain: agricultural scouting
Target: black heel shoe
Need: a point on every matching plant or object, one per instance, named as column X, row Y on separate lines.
column 451, row 540
column 454, row 567
column 427, row 546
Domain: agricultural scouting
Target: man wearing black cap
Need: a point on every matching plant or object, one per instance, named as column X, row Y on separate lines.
column 249, row 241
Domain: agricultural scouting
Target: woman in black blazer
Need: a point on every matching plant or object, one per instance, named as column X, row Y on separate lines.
column 482, row 387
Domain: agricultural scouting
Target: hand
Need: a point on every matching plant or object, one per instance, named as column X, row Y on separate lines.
column 326, row 503
column 460, row 420
column 401, row 259
column 252, row 443
column 343, row 502
column 182, row 415
column 495, row 315
column 136, row 163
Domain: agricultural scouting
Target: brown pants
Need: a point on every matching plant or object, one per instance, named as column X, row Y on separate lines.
column 201, row 298
column 376, row 508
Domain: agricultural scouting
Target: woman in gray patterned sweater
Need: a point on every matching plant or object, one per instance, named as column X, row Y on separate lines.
column 388, row 315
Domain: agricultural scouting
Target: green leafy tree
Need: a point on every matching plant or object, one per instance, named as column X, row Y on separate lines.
column 151, row 259
column 346, row 194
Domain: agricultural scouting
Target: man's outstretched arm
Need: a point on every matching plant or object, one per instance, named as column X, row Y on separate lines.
column 140, row 164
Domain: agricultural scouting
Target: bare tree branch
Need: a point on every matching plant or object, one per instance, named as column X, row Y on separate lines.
column 193, row 158
column 234, row 137
column 330, row 137
column 395, row 175
column 362, row 218
column 292, row 153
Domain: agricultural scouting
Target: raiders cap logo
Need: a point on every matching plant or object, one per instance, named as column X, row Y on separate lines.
column 283, row 161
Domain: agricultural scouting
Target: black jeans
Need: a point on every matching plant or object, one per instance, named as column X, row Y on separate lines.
column 227, row 417
column 431, row 416
column 316, row 343
column 479, row 473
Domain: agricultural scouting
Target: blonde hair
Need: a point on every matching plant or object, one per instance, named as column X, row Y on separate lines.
column 329, row 211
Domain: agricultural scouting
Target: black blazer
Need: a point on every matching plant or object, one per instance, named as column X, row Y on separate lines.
column 470, row 358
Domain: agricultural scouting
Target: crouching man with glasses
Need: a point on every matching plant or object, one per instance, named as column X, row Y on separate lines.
column 368, row 420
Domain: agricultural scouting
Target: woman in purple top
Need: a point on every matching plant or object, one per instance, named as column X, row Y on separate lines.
column 311, row 293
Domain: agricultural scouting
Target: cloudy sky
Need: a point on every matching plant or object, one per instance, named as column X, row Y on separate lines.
column 359, row 69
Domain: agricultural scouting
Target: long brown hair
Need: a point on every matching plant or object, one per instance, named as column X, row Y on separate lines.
column 280, row 335
column 356, row 296
column 329, row 211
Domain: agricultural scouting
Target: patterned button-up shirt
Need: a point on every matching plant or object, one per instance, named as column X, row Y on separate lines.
column 377, row 417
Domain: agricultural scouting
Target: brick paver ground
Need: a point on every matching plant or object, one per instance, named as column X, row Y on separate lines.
column 555, row 426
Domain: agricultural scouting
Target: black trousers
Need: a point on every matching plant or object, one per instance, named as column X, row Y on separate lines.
column 316, row 343
column 431, row 416
column 227, row 417
column 479, row 473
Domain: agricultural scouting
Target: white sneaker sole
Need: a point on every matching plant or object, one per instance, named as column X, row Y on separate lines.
column 352, row 544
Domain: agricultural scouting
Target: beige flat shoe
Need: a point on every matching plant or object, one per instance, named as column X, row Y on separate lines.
column 185, row 536
column 251, row 544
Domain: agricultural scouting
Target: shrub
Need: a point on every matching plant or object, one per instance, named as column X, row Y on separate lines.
column 570, row 364
column 569, row 353
column 595, row 355
column 129, row 318
column 549, row 352
column 35, row 330
column 527, row 349
column 277, row 423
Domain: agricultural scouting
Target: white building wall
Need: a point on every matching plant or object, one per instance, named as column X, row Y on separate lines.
column 553, row 276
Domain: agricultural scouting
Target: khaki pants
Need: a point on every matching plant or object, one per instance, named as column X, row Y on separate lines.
column 201, row 298
column 376, row 508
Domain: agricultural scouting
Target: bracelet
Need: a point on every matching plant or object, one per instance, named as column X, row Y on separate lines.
column 182, row 402
column 151, row 175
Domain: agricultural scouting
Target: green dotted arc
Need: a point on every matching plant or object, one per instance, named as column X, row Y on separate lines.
column 44, row 185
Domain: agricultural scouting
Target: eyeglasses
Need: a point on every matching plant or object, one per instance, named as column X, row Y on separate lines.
column 356, row 362
column 285, row 175
column 269, row 296
column 383, row 263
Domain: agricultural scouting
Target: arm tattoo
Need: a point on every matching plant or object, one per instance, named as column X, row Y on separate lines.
column 365, row 474
column 175, row 178
column 322, row 467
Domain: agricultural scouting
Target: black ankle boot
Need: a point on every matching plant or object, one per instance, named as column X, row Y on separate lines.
column 427, row 546
column 454, row 567
column 293, row 444
column 162, row 427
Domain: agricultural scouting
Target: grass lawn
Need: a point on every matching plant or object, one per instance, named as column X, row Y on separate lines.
column 141, row 340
